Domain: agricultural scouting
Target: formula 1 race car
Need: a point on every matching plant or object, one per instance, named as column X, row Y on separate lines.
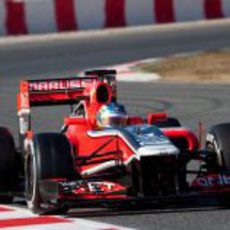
column 129, row 159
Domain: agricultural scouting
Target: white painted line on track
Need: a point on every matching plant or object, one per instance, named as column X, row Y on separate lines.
column 78, row 224
column 137, row 77
column 127, row 73
column 22, row 219
column 15, row 214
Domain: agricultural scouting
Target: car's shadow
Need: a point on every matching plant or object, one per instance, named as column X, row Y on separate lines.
column 199, row 205
column 208, row 205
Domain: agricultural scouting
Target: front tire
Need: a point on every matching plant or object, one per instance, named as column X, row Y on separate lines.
column 49, row 155
column 218, row 141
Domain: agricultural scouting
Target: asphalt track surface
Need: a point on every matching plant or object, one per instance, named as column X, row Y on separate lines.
column 190, row 103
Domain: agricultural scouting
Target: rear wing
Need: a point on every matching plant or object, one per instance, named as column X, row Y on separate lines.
column 62, row 91
column 97, row 86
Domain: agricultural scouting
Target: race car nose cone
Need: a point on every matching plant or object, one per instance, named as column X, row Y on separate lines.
column 158, row 150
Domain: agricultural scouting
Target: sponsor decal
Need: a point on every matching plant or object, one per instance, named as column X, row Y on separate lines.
column 55, row 85
column 100, row 187
column 212, row 181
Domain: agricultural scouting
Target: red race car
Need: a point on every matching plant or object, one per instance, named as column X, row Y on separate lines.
column 101, row 156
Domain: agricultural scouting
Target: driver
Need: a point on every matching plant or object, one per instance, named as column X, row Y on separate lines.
column 111, row 115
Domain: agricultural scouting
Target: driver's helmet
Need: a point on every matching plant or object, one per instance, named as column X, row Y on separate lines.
column 112, row 115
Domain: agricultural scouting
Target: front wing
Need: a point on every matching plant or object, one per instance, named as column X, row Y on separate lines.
column 88, row 193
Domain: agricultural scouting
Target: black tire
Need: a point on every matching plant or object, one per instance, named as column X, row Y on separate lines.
column 218, row 141
column 48, row 156
column 7, row 164
column 169, row 123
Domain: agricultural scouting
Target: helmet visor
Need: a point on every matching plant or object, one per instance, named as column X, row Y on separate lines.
column 116, row 121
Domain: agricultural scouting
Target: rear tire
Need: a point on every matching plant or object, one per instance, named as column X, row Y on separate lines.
column 48, row 156
column 7, row 164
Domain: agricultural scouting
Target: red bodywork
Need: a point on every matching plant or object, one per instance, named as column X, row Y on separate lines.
column 65, row 91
